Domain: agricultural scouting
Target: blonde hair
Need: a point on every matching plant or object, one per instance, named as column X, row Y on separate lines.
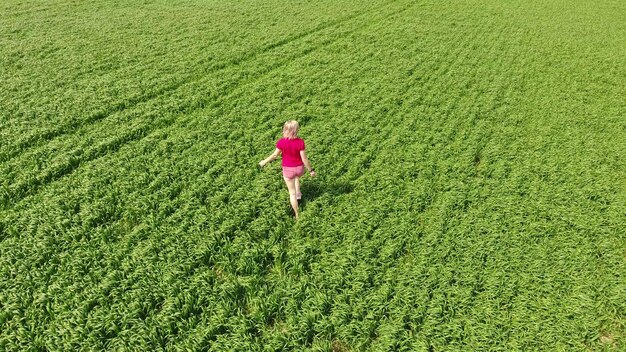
column 290, row 129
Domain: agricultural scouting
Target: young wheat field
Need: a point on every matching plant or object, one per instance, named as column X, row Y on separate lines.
column 471, row 188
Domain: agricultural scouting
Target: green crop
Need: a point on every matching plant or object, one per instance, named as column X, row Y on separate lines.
column 471, row 189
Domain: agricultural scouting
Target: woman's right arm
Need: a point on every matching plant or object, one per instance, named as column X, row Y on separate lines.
column 272, row 157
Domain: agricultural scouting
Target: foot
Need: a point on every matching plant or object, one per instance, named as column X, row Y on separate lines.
column 298, row 196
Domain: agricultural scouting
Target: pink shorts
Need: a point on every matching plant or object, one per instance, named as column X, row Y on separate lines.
column 293, row 171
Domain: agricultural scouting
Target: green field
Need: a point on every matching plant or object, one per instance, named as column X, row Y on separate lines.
column 471, row 189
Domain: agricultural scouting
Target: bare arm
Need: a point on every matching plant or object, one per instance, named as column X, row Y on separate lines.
column 270, row 158
column 307, row 163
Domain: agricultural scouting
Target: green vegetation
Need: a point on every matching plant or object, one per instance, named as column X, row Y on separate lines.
column 471, row 191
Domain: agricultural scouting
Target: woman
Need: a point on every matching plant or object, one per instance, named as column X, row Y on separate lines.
column 294, row 160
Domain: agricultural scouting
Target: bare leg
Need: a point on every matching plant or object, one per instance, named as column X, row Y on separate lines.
column 298, row 194
column 291, row 185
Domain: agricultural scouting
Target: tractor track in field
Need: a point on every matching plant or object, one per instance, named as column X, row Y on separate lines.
column 227, row 99
column 131, row 103
column 30, row 187
column 84, row 75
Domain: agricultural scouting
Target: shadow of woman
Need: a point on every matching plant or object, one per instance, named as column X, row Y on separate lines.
column 315, row 189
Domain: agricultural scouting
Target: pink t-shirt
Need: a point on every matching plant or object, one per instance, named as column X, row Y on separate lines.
column 291, row 151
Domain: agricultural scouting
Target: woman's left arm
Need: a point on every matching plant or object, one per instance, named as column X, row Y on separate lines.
column 307, row 163
column 270, row 158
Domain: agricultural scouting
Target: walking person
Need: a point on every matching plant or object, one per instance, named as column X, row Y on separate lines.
column 294, row 161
